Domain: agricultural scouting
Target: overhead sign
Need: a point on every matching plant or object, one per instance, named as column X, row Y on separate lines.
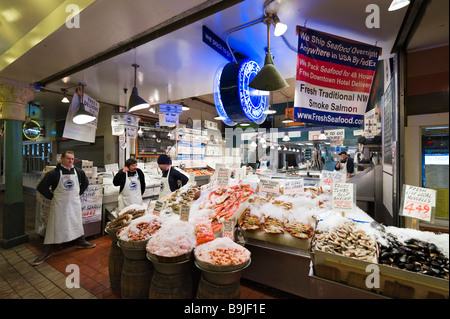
column 168, row 108
column 334, row 79
column 337, row 133
column 31, row 130
column 211, row 39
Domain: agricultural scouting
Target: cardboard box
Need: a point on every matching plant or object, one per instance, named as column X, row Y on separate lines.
column 393, row 282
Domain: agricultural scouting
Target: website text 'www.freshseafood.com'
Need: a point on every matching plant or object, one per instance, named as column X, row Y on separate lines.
column 337, row 119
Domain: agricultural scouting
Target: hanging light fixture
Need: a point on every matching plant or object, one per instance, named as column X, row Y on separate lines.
column 286, row 137
column 136, row 102
column 268, row 78
column 82, row 116
column 322, row 135
column 398, row 4
column 65, row 99
column 279, row 148
column 184, row 107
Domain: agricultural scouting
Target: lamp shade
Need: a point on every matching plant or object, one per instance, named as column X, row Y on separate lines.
column 82, row 116
column 136, row 102
column 269, row 78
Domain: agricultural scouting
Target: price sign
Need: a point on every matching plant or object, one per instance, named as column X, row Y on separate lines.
column 239, row 173
column 269, row 186
column 330, row 177
column 294, row 186
column 223, row 176
column 112, row 167
column 228, row 229
column 158, row 207
column 343, row 196
column 418, row 202
column 184, row 212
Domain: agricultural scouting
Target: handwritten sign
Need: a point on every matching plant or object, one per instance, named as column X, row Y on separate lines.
column 228, row 229
column 269, row 186
column 112, row 167
column 343, row 196
column 418, row 202
column 294, row 186
column 158, row 207
column 184, row 212
column 330, row 177
column 223, row 176
column 239, row 173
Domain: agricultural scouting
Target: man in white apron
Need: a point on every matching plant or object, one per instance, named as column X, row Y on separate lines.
column 63, row 186
column 132, row 184
column 172, row 179
column 345, row 164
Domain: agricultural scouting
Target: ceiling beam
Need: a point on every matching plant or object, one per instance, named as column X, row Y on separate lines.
column 186, row 18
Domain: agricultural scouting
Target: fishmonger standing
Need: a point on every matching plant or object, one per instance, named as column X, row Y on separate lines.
column 63, row 186
column 132, row 184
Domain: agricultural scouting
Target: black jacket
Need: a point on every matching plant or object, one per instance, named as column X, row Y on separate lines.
column 50, row 180
column 174, row 177
column 120, row 179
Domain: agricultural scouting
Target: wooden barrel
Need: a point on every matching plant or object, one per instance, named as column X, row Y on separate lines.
column 115, row 265
column 171, row 286
column 209, row 290
column 135, row 279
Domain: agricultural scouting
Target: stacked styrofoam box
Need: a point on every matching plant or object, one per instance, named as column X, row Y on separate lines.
column 91, row 172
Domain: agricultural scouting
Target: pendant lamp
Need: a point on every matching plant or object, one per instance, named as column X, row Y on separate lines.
column 268, row 78
column 82, row 116
column 136, row 102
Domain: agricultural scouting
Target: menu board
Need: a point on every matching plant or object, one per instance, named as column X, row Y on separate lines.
column 152, row 141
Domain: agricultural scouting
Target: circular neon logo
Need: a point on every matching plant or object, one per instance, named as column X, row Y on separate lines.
column 235, row 101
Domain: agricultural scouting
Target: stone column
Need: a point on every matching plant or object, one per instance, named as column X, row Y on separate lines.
column 13, row 99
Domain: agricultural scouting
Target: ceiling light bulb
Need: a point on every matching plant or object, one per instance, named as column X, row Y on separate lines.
column 280, row 28
column 269, row 111
column 245, row 124
column 219, row 118
column 286, row 138
column 285, row 148
column 279, row 148
column 65, row 100
column 272, row 147
column 262, row 140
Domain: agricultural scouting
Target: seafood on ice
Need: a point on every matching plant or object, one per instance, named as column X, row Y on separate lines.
column 140, row 229
column 294, row 214
column 183, row 196
column 220, row 204
column 222, row 252
column 126, row 215
column 173, row 239
column 347, row 238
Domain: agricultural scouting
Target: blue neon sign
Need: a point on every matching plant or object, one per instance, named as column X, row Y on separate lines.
column 234, row 99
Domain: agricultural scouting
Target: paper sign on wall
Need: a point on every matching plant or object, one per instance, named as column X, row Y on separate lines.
column 418, row 202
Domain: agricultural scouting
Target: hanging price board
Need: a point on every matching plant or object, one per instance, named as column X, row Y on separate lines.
column 418, row 202
column 330, row 177
column 344, row 196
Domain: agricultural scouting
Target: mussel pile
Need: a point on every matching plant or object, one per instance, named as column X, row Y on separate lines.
column 414, row 255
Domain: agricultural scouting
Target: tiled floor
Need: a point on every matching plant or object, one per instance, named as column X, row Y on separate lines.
column 50, row 280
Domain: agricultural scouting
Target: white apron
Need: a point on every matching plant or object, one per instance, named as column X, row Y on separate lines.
column 131, row 192
column 165, row 187
column 65, row 222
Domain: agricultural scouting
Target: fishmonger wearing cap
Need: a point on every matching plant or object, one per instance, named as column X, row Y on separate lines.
column 172, row 179
column 345, row 164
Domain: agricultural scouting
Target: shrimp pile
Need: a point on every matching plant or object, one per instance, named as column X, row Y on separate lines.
column 140, row 229
column 222, row 252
